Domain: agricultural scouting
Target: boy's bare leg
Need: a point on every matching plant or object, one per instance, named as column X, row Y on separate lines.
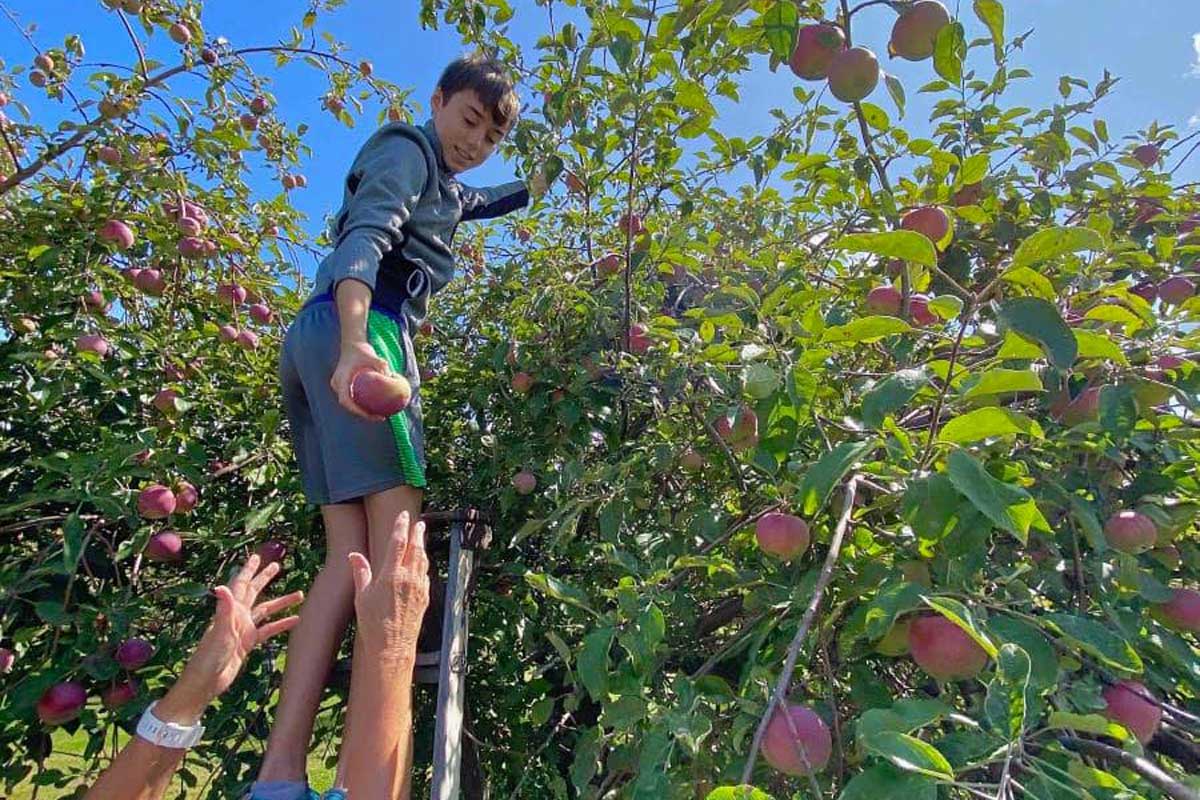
column 314, row 643
column 383, row 509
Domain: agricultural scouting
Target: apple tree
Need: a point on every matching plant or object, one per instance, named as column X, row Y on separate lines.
column 853, row 458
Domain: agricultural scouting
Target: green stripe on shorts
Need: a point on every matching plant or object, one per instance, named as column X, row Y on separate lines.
column 384, row 334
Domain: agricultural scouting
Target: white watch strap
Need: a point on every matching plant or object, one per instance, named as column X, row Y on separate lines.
column 168, row 734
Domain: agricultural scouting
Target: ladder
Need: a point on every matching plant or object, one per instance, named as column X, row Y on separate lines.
column 461, row 533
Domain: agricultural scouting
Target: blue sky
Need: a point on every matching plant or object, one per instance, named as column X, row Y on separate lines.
column 1154, row 49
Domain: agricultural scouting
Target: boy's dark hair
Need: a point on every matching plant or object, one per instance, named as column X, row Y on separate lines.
column 489, row 78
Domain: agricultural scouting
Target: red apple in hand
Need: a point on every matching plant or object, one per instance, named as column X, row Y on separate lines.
column 379, row 394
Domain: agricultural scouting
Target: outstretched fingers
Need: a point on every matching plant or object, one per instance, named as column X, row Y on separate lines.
column 277, row 627
column 260, row 581
column 242, row 580
column 270, row 608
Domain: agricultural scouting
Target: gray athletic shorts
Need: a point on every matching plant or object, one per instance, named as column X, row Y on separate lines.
column 342, row 456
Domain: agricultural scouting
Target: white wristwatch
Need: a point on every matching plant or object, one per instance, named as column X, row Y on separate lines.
column 168, row 734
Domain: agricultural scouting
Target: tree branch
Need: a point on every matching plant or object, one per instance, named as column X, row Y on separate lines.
column 1143, row 767
column 789, row 665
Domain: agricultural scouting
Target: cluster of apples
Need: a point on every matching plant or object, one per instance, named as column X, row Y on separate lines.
column 821, row 54
column 158, row 501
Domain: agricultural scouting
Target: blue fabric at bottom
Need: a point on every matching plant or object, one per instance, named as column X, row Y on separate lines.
column 282, row 790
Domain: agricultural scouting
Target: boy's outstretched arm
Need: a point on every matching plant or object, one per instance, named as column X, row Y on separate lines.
column 385, row 184
column 143, row 770
column 494, row 201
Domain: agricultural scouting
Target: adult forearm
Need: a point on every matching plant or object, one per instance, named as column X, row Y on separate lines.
column 378, row 746
column 353, row 305
column 143, row 771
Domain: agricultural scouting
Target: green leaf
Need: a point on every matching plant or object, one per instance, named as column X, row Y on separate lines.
column 1004, row 381
column 892, row 394
column 949, row 51
column 1086, row 723
column 961, row 616
column 1118, row 411
column 1099, row 640
column 974, row 169
column 73, row 540
column 821, row 477
column 1050, row 243
column 896, row 90
column 1009, row 507
column 910, row 754
column 1037, row 319
column 1093, row 344
column 559, row 590
column 587, row 753
column 905, row 716
column 592, row 663
column 906, row 245
column 1007, row 693
column 1017, row 348
column 865, row 329
column 1031, row 280
column 780, row 24
column 946, row 306
column 744, row 792
column 1043, row 660
column 991, row 14
column 259, row 517
column 885, row 782
column 984, row 423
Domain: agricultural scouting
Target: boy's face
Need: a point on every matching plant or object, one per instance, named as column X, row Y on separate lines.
column 467, row 131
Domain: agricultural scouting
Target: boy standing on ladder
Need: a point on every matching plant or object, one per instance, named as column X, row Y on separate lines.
column 393, row 237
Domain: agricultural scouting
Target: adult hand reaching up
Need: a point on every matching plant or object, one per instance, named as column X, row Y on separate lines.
column 239, row 625
column 391, row 604
column 143, row 770
column 390, row 598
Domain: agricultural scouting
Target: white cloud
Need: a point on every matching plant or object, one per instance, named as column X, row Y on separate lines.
column 1195, row 70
